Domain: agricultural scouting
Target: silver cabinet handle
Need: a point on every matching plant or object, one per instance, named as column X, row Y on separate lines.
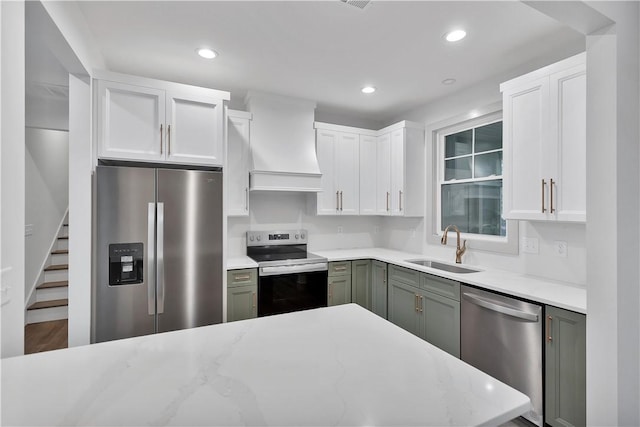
column 151, row 259
column 160, row 258
column 160, row 138
column 241, row 277
column 400, row 200
column 490, row 305
column 551, row 184
column 416, row 303
column 387, row 200
column 341, row 201
column 543, row 184
column 169, row 139
column 246, row 199
column 337, row 200
column 421, row 303
column 340, row 268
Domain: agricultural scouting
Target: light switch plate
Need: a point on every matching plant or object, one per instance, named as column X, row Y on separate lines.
column 529, row 245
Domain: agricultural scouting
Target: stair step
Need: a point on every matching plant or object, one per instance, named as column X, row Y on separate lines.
column 48, row 304
column 63, row 238
column 55, row 267
column 58, row 284
column 60, row 252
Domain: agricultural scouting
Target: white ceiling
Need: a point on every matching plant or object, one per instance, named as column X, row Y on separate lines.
column 327, row 50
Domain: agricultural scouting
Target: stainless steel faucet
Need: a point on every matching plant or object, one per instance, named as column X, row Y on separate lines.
column 459, row 250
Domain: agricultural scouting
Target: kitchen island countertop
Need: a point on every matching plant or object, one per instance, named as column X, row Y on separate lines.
column 331, row 366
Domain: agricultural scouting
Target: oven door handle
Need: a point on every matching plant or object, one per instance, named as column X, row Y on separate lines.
column 292, row 269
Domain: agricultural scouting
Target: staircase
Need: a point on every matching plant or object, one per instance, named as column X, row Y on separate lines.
column 51, row 300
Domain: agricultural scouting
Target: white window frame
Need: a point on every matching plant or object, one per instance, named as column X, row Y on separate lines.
column 435, row 176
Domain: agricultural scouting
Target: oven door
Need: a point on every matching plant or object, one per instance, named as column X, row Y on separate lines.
column 287, row 292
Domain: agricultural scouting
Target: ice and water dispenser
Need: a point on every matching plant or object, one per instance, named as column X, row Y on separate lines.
column 125, row 263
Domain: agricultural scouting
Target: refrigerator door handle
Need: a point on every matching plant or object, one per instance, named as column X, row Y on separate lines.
column 151, row 243
column 160, row 258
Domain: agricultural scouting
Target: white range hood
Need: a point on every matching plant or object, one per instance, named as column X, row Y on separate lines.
column 283, row 144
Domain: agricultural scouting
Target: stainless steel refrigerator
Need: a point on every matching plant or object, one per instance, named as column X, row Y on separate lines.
column 158, row 253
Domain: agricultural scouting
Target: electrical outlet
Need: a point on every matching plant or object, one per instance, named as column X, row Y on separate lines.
column 28, row 230
column 340, row 230
column 560, row 248
column 376, row 229
column 529, row 245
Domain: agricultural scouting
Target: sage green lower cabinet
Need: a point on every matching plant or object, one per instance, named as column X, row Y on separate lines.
column 361, row 283
column 404, row 309
column 242, row 292
column 379, row 291
column 565, row 368
column 339, row 283
column 427, row 306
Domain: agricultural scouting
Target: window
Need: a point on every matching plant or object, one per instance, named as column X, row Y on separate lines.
column 470, row 179
column 464, row 175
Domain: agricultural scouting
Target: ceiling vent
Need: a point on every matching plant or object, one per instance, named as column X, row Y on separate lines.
column 360, row 4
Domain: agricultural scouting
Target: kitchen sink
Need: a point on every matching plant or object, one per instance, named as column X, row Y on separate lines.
column 443, row 266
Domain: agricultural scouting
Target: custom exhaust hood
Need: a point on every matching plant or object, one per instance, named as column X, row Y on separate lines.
column 283, row 147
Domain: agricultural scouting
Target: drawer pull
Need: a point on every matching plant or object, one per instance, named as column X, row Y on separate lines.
column 340, row 268
column 242, row 277
column 549, row 320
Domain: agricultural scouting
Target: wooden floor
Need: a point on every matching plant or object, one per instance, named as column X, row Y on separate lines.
column 46, row 336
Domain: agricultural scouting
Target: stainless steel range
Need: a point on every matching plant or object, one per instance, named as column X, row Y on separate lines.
column 289, row 278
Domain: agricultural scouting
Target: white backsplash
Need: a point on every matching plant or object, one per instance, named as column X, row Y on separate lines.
column 285, row 211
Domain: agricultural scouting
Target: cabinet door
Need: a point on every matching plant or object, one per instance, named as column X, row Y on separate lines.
column 238, row 166
column 194, row 129
column 129, row 122
column 525, row 130
column 397, row 172
column 568, row 125
column 368, row 174
column 328, row 198
column 348, row 178
column 565, row 368
column 404, row 307
column 241, row 302
column 339, row 290
column 441, row 322
column 361, row 283
column 383, row 179
column 379, row 291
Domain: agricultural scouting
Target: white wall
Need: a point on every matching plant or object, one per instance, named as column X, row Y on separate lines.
column 46, row 195
column 613, row 232
column 284, row 211
column 12, row 171
column 80, row 208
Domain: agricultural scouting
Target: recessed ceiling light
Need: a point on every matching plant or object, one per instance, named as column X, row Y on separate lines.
column 448, row 81
column 368, row 89
column 206, row 53
column 455, row 35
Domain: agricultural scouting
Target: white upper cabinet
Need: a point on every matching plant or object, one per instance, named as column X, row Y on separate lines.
column 337, row 154
column 237, row 170
column 131, row 121
column 368, row 174
column 401, row 170
column 544, row 135
column 149, row 120
column 365, row 171
column 383, row 179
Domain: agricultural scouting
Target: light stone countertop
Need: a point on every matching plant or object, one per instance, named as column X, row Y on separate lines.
column 556, row 293
column 336, row 366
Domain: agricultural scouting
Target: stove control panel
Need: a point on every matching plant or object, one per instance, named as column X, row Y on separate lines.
column 267, row 238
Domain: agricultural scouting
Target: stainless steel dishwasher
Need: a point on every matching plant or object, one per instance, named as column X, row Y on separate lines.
column 502, row 337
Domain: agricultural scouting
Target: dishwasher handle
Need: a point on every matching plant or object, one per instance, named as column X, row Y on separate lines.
column 491, row 305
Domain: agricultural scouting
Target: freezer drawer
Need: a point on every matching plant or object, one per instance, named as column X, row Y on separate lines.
column 503, row 337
